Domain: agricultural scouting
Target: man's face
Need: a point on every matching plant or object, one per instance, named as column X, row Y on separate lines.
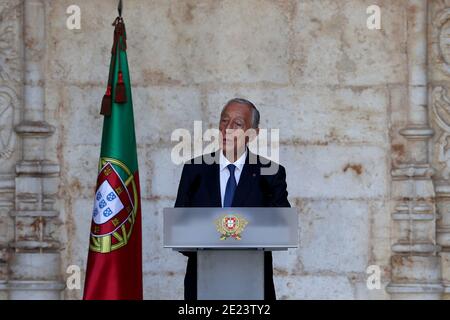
column 235, row 120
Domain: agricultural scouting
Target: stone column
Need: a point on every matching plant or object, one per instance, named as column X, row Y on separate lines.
column 440, row 116
column 35, row 258
column 414, row 261
column 11, row 83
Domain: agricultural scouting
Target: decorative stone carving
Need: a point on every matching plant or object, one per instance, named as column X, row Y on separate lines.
column 441, row 112
column 10, row 62
column 8, row 105
column 442, row 23
column 440, row 104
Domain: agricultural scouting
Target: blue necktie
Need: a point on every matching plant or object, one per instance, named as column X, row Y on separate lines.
column 231, row 187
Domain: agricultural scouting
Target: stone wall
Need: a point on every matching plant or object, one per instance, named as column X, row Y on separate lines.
column 363, row 166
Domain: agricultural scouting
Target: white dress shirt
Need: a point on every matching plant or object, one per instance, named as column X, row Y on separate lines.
column 225, row 173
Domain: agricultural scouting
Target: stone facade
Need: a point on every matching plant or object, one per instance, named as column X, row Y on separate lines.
column 364, row 119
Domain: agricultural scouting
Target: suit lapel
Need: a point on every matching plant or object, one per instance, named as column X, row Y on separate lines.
column 214, row 183
column 245, row 184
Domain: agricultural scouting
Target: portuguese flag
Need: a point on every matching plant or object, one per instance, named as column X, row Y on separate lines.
column 114, row 267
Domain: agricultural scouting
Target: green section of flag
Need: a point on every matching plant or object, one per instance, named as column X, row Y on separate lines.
column 118, row 138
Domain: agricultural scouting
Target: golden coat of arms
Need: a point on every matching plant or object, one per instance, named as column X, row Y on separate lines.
column 231, row 225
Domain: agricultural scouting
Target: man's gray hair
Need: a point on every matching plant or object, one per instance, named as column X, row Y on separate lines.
column 255, row 112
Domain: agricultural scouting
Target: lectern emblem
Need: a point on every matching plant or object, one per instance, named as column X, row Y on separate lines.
column 231, row 225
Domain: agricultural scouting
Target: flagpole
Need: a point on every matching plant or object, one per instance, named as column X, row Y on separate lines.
column 114, row 264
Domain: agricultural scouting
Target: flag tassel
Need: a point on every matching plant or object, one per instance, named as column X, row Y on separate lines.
column 120, row 90
column 106, row 103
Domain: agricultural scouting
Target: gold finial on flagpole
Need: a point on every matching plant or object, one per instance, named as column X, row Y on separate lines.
column 119, row 8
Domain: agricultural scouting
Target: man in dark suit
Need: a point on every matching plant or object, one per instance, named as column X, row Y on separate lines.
column 232, row 177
